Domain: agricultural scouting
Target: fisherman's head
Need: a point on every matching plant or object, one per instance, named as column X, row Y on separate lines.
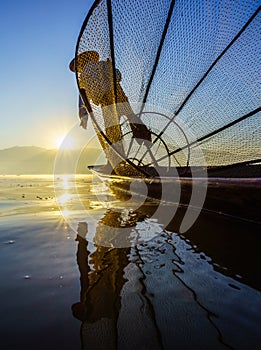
column 82, row 59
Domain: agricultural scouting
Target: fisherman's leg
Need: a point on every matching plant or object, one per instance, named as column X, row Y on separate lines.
column 113, row 149
column 139, row 129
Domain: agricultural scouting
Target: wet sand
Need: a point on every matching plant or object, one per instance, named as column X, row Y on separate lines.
column 200, row 290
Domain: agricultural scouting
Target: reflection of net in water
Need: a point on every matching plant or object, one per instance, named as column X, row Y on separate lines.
column 195, row 60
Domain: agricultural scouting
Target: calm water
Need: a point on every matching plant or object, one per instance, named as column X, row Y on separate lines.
column 61, row 289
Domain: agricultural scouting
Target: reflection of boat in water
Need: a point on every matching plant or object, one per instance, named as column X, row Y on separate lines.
column 203, row 71
column 231, row 244
column 143, row 296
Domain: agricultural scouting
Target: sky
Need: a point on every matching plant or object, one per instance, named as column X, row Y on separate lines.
column 38, row 93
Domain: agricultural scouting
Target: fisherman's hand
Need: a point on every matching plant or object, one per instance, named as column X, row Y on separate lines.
column 140, row 131
column 84, row 121
column 83, row 114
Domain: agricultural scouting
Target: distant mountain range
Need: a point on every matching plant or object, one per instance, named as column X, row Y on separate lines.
column 37, row 160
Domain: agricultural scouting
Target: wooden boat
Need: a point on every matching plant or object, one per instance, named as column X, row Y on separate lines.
column 233, row 197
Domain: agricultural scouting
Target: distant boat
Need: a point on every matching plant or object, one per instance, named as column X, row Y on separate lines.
column 188, row 71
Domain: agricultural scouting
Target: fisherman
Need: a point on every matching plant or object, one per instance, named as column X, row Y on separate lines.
column 96, row 78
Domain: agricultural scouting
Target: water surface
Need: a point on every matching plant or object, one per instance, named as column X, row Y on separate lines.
column 61, row 289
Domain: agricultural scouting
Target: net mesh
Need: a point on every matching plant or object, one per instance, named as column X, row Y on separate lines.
column 188, row 70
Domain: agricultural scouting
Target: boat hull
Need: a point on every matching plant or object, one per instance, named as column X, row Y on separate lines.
column 236, row 197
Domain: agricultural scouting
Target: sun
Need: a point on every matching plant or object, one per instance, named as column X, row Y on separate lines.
column 64, row 142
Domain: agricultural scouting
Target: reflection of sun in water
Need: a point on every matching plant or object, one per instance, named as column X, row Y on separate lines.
column 66, row 181
column 64, row 198
column 65, row 212
column 64, row 195
column 64, row 142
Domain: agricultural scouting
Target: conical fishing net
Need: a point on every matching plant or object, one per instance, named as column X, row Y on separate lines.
column 185, row 71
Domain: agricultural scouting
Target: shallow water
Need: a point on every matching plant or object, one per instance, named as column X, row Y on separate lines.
column 199, row 290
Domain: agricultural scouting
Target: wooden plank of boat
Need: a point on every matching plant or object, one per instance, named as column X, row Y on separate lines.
column 237, row 197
